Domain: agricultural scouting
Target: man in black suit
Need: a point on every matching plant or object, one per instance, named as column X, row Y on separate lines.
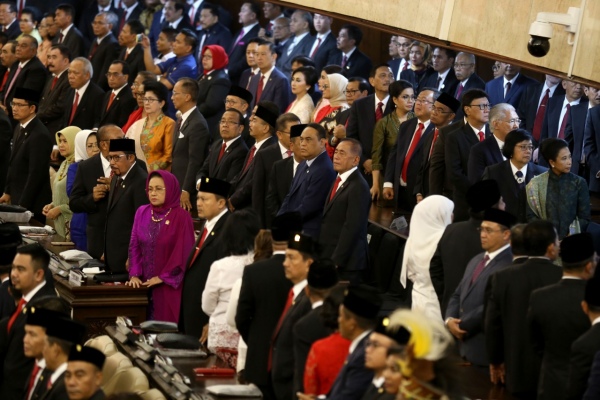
column 439, row 179
column 226, row 157
column 105, row 47
column 10, row 25
column 84, row 99
column 127, row 193
column 84, row 373
column 299, row 44
column 213, row 31
column 464, row 69
column 358, row 318
column 53, row 102
column 29, row 277
column 405, row 158
column 353, row 61
column 262, row 299
column 366, row 112
column 27, row 182
column 270, row 84
column 133, row 52
column 591, row 143
column 249, row 14
column 476, row 106
column 86, row 25
column 511, row 354
column 27, row 72
column 514, row 174
column 555, row 316
column 6, row 134
column 444, row 80
column 357, row 88
column 503, row 119
column 191, row 141
column 264, row 161
column 324, row 48
column 509, row 87
column 212, row 206
column 131, row 11
column 534, row 102
column 175, row 16
column 299, row 256
column 69, row 35
column 248, row 73
column 90, row 189
column 118, row 103
column 262, row 128
column 11, row 238
column 558, row 113
column 587, row 345
column 575, row 130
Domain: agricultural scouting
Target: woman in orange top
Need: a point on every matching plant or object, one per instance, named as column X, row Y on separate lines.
column 156, row 139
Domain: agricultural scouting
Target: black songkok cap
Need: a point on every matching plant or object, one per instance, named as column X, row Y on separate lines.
column 577, row 248
column 10, row 238
column 362, row 300
column 322, row 274
column 284, row 225
column 266, row 115
column 66, row 329
column 87, row 354
column 296, row 130
column 241, row 93
column 499, row 217
column 125, row 145
column 449, row 101
column 214, row 186
column 302, row 243
column 592, row 292
column 399, row 334
column 31, row 95
column 42, row 317
column 483, row 195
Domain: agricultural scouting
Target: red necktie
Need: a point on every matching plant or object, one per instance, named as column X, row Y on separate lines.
column 316, row 48
column 223, row 148
column 435, row 137
column 405, row 66
column 288, row 305
column 259, row 90
column 288, row 153
column 74, row 107
column 335, row 187
column 18, row 311
column 36, row 369
column 508, row 86
column 60, row 38
column 270, row 27
column 344, row 61
column 94, row 48
column 122, row 22
column 250, row 158
column 481, row 136
column 12, row 82
column 479, row 268
column 4, row 79
column 459, row 91
column 563, row 124
column 192, row 14
column 20, row 8
column 539, row 116
column 110, row 100
column 54, row 80
column 199, row 247
column 379, row 111
column 249, row 80
column 411, row 149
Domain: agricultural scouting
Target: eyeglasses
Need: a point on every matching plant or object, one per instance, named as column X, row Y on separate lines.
column 408, row 97
column 351, row 92
column 525, row 147
column 440, row 111
column 149, row 100
column 488, row 231
column 462, row 65
column 116, row 158
column 423, row 101
column 157, row 189
column 512, row 121
column 113, row 74
column 225, row 122
column 13, row 104
column 482, row 107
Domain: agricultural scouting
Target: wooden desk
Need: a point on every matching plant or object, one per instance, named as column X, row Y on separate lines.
column 383, row 217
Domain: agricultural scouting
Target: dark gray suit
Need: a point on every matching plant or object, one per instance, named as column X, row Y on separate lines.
column 284, row 63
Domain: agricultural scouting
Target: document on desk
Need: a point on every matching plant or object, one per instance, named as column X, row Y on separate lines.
column 235, row 390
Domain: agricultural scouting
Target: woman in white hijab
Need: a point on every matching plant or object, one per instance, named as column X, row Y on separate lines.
column 427, row 224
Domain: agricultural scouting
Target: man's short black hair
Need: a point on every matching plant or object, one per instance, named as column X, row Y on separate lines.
column 39, row 256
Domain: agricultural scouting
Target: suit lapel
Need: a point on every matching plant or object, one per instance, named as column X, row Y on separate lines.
column 486, row 271
column 339, row 191
column 124, row 186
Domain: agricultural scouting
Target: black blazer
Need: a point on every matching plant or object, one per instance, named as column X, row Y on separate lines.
column 191, row 317
column 302, row 48
column 6, row 135
column 552, row 117
column 122, row 106
column 73, row 41
column 213, row 89
column 231, row 163
column 13, row 30
column 528, row 105
column 361, row 123
column 514, row 199
column 418, row 81
column 343, row 234
column 357, row 65
column 327, row 53
column 87, row 17
column 217, row 34
column 27, row 181
column 439, row 179
column 474, row 82
column 282, row 373
column 482, row 155
column 190, row 148
column 507, row 338
column 101, row 56
column 32, row 76
column 354, row 378
column 556, row 320
column 51, row 110
column 86, row 115
column 591, row 140
column 237, row 53
column 263, row 167
column 135, row 61
column 575, row 130
column 16, row 367
column 422, row 179
column 58, row 390
column 583, row 351
column 280, row 181
column 262, row 298
column 449, row 85
column 120, row 214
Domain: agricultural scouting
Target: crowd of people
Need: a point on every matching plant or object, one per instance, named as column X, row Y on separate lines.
column 122, row 120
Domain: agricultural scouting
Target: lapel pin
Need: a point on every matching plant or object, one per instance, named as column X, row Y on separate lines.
column 212, row 233
column 167, row 222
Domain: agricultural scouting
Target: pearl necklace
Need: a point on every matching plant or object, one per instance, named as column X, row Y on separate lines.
column 160, row 219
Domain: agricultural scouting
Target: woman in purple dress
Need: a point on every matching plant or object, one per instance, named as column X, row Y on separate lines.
column 161, row 240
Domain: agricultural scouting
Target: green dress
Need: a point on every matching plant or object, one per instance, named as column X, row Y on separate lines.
column 61, row 199
column 384, row 139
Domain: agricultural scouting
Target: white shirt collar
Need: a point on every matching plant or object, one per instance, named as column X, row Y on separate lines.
column 175, row 24
column 299, row 287
column 210, row 225
column 296, row 163
column 124, row 176
column 493, row 254
column 58, row 372
column 322, row 36
column 282, row 149
column 117, row 91
column 82, row 90
column 129, row 10
column 247, row 29
column 348, row 54
column 572, row 103
column 316, row 304
column 515, row 169
column 258, row 145
column 229, row 142
column 24, row 125
column 36, row 289
column 596, row 321
column 344, row 176
column 512, row 81
column 267, row 75
column 298, row 38
column 309, row 162
column 384, row 101
column 105, row 166
column 186, row 114
column 500, row 145
column 357, row 340
column 24, row 63
column 477, row 131
column 378, row 382
column 443, row 75
column 99, row 40
column 66, row 30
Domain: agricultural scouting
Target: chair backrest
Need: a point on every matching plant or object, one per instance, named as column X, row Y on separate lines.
column 152, row 394
column 104, row 344
column 114, row 364
column 127, row 380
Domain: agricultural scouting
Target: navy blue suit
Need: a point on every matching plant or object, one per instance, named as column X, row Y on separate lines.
column 357, row 65
column 417, row 80
column 354, row 379
column 449, row 85
column 326, row 53
column 495, row 90
column 482, row 155
column 591, row 141
column 302, row 48
column 217, row 34
column 308, row 192
column 528, row 105
column 155, row 31
column 575, row 130
column 474, row 82
column 395, row 65
column 277, row 89
column 552, row 117
column 237, row 54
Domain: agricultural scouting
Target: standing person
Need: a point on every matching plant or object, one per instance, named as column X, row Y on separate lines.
column 105, row 47
column 248, row 17
column 419, row 69
column 429, row 219
column 353, row 61
column 69, row 35
column 53, row 102
column 84, row 99
column 132, row 51
column 27, row 182
column 161, row 238
column 271, row 84
column 118, row 103
column 509, row 87
column 46, row 43
column 214, row 85
column 324, row 47
column 59, row 210
column 303, row 84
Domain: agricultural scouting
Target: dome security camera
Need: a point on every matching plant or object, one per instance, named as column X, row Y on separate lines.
column 539, row 44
